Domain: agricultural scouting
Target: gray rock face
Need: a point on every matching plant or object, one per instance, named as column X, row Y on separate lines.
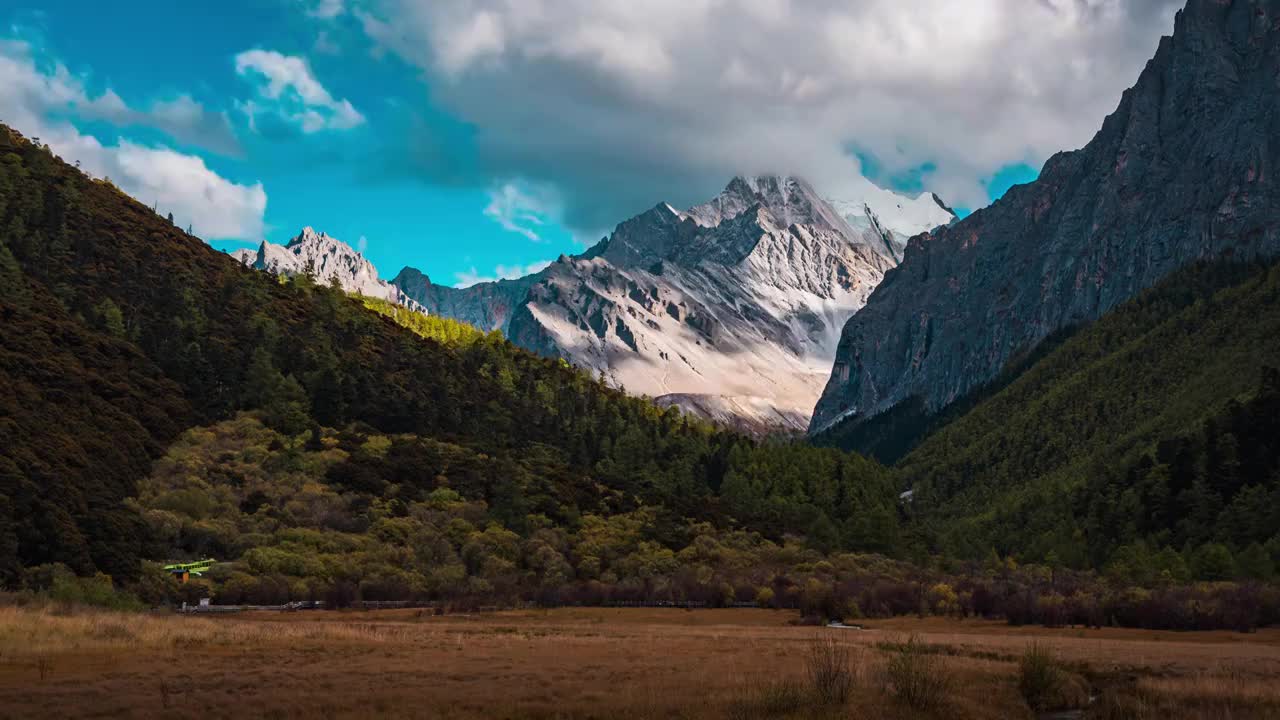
column 487, row 305
column 325, row 258
column 730, row 310
column 1185, row 168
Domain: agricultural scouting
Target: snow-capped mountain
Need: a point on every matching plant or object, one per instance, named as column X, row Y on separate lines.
column 896, row 218
column 731, row 309
column 325, row 258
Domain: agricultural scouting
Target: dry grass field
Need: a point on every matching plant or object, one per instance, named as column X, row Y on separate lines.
column 601, row 663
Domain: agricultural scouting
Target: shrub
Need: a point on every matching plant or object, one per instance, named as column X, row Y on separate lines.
column 828, row 668
column 916, row 678
column 1038, row 676
column 1051, row 610
column 1046, row 685
column 943, row 600
column 58, row 583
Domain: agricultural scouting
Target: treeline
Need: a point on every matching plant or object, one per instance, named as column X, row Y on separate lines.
column 354, row 515
column 121, row 331
column 446, row 331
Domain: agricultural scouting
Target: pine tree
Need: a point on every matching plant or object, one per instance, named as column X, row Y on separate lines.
column 111, row 317
column 1255, row 563
column 262, row 380
column 10, row 565
column 13, row 284
column 288, row 412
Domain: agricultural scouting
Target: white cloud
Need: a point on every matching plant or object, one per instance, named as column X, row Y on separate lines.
column 325, row 9
column 501, row 272
column 215, row 207
column 293, row 92
column 479, row 36
column 362, row 244
column 180, row 117
column 621, row 103
column 521, row 208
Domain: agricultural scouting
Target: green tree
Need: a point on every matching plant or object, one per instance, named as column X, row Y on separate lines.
column 1254, row 563
column 13, row 285
column 10, row 565
column 288, row 411
column 283, row 401
column 1213, row 561
column 262, row 379
column 111, row 317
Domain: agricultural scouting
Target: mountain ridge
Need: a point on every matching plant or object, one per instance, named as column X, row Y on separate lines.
column 325, row 258
column 729, row 309
column 1184, row 169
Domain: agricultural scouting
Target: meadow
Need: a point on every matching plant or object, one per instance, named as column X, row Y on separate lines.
column 605, row 663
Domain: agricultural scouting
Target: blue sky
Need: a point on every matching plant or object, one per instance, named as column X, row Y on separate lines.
column 473, row 140
column 338, row 181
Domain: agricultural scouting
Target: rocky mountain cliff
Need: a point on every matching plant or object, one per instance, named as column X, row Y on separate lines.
column 487, row 305
column 730, row 310
column 325, row 258
column 1185, row 168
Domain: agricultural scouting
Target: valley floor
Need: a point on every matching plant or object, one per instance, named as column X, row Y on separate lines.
column 585, row 663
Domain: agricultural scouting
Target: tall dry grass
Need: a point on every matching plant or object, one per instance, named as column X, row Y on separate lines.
column 586, row 663
column 1046, row 684
column 830, row 668
column 49, row 630
column 832, row 671
column 918, row 677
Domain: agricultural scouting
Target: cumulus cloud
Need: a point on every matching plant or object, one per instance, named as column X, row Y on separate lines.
column 215, row 207
column 501, row 272
column 520, row 208
column 58, row 91
column 288, row 88
column 621, row 103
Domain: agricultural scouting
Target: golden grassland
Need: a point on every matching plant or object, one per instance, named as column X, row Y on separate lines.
column 589, row 663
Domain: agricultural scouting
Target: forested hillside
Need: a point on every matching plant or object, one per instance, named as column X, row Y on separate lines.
column 1153, row 428
column 160, row 402
column 121, row 331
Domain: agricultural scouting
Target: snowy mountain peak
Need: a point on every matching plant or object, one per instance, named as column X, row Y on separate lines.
column 731, row 309
column 903, row 215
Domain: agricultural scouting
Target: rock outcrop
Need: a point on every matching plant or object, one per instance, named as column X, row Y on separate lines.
column 325, row 259
column 1185, row 168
